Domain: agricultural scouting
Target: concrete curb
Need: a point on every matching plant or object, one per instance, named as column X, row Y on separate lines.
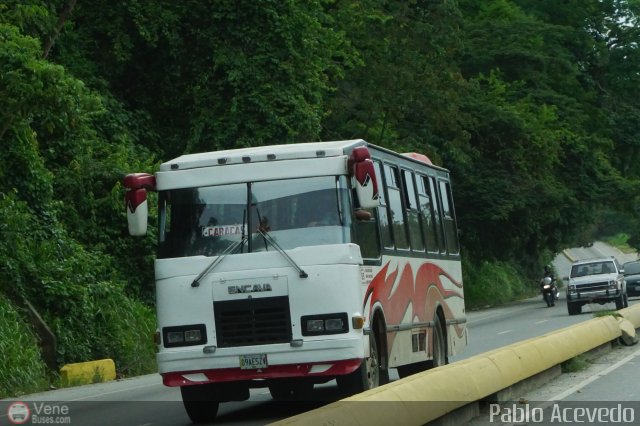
column 83, row 373
column 456, row 385
column 568, row 256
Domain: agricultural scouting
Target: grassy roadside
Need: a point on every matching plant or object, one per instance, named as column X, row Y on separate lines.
column 496, row 283
column 122, row 330
column 620, row 241
column 21, row 367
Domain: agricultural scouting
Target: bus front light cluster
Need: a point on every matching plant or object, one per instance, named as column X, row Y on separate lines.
column 316, row 325
column 184, row 335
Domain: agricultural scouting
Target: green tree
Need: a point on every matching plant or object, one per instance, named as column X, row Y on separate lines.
column 402, row 88
column 540, row 161
column 211, row 75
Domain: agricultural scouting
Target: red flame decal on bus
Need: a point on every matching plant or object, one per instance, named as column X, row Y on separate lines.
column 424, row 294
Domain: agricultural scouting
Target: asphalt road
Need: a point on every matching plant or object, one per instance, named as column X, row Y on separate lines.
column 604, row 391
column 145, row 401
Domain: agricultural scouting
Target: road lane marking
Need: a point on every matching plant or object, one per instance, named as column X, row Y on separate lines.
column 475, row 317
column 116, row 391
column 545, row 405
column 505, row 332
column 563, row 395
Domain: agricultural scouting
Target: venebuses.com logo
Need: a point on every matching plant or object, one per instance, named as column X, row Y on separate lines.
column 18, row 413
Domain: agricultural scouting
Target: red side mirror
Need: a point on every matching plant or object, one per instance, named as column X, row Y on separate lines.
column 364, row 178
column 137, row 185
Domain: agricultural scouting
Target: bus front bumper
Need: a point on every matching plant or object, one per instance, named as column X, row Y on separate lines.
column 191, row 366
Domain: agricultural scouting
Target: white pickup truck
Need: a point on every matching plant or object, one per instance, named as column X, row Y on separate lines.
column 599, row 280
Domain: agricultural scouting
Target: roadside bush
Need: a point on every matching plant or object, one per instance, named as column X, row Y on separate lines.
column 90, row 312
column 103, row 322
column 493, row 283
column 76, row 291
column 21, row 367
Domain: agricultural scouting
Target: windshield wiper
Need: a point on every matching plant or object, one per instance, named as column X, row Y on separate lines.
column 217, row 261
column 268, row 238
column 232, row 248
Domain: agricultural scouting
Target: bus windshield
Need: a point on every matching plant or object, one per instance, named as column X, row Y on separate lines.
column 294, row 212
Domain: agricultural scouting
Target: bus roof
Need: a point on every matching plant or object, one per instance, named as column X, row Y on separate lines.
column 261, row 153
column 280, row 152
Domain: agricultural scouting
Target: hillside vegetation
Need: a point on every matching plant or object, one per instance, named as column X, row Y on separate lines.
column 534, row 105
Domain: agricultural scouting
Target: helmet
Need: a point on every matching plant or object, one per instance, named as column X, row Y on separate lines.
column 547, row 268
column 546, row 280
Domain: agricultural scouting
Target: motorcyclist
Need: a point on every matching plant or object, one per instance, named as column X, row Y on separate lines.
column 548, row 272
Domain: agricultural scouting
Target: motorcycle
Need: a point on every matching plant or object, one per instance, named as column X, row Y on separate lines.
column 549, row 291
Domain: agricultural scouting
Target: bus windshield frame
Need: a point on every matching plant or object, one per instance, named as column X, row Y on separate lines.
column 206, row 221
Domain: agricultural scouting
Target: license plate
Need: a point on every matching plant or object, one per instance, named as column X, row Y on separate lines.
column 252, row 362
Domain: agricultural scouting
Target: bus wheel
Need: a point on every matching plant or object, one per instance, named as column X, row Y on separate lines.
column 367, row 376
column 439, row 343
column 200, row 402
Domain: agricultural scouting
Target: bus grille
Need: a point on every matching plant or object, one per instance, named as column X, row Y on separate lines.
column 255, row 321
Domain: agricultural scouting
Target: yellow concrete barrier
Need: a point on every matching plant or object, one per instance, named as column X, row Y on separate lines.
column 455, row 385
column 632, row 314
column 83, row 373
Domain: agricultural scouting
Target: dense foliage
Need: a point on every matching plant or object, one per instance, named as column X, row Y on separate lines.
column 533, row 104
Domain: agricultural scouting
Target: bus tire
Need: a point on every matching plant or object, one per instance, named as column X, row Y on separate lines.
column 439, row 343
column 382, row 354
column 367, row 376
column 200, row 402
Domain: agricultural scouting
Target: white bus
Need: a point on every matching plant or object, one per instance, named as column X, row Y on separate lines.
column 290, row 265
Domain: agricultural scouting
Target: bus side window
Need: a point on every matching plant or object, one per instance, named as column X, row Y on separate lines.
column 449, row 221
column 437, row 215
column 366, row 236
column 392, row 175
column 413, row 219
column 427, row 215
column 383, row 215
column 367, row 232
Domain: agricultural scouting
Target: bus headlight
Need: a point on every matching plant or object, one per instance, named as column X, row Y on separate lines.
column 174, row 337
column 334, row 324
column 184, row 335
column 315, row 325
